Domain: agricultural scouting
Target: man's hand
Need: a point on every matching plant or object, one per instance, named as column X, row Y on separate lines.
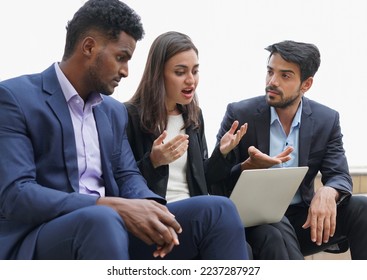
column 322, row 215
column 259, row 160
column 165, row 153
column 148, row 220
column 231, row 139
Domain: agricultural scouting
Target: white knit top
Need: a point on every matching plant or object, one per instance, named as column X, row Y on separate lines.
column 177, row 187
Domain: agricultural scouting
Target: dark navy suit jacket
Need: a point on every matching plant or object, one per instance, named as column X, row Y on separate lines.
column 38, row 162
column 320, row 143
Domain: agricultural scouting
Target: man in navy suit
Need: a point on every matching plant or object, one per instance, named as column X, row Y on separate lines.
column 70, row 187
column 287, row 129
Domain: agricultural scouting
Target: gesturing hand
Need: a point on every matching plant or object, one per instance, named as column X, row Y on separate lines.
column 148, row 220
column 258, row 159
column 231, row 139
column 165, row 153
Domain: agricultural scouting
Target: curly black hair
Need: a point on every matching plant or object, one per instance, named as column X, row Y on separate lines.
column 110, row 17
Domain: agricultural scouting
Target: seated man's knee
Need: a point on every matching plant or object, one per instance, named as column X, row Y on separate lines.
column 223, row 203
column 265, row 233
column 210, row 209
column 271, row 234
column 224, row 209
column 101, row 219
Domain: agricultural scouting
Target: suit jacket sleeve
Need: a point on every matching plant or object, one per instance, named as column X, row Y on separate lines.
column 326, row 151
column 225, row 185
column 217, row 167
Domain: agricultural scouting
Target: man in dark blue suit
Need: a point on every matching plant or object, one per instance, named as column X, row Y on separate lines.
column 70, row 187
column 287, row 129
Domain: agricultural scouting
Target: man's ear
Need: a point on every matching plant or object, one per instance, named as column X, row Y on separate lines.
column 306, row 84
column 88, row 45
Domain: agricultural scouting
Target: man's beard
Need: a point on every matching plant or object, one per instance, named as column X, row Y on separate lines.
column 284, row 102
column 94, row 75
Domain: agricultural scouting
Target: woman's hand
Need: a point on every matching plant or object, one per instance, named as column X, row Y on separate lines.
column 165, row 153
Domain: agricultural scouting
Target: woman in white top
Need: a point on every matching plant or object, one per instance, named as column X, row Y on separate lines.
column 166, row 126
column 166, row 134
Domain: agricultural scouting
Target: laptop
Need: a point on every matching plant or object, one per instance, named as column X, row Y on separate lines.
column 263, row 195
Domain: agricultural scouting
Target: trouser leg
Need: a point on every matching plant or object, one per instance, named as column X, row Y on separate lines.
column 351, row 222
column 211, row 227
column 354, row 218
column 95, row 232
column 276, row 241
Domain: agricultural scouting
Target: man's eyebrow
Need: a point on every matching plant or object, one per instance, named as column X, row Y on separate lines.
column 127, row 53
column 282, row 70
column 287, row 71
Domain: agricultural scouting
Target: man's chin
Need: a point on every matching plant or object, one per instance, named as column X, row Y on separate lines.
column 270, row 100
column 108, row 92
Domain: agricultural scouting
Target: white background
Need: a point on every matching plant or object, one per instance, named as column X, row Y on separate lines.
column 266, row 270
column 231, row 36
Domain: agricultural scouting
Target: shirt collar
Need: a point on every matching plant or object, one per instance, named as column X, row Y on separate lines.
column 70, row 92
column 296, row 120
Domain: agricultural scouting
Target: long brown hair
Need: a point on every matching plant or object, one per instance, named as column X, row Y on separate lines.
column 150, row 95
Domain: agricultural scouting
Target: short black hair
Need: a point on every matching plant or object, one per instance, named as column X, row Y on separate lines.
column 109, row 17
column 305, row 55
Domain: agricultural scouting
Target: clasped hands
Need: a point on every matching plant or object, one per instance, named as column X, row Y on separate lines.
column 147, row 220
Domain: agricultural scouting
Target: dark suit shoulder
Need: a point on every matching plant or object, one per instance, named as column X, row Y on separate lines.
column 18, row 81
column 319, row 111
column 115, row 111
column 18, row 86
column 110, row 103
column 316, row 106
column 249, row 103
column 251, row 106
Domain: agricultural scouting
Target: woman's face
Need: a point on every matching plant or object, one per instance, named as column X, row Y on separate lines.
column 181, row 77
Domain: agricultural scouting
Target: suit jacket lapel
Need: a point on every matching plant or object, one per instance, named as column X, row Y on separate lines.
column 305, row 133
column 105, row 137
column 262, row 125
column 194, row 157
column 58, row 105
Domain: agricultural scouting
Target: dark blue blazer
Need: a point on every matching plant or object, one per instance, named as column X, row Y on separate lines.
column 38, row 163
column 320, row 143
